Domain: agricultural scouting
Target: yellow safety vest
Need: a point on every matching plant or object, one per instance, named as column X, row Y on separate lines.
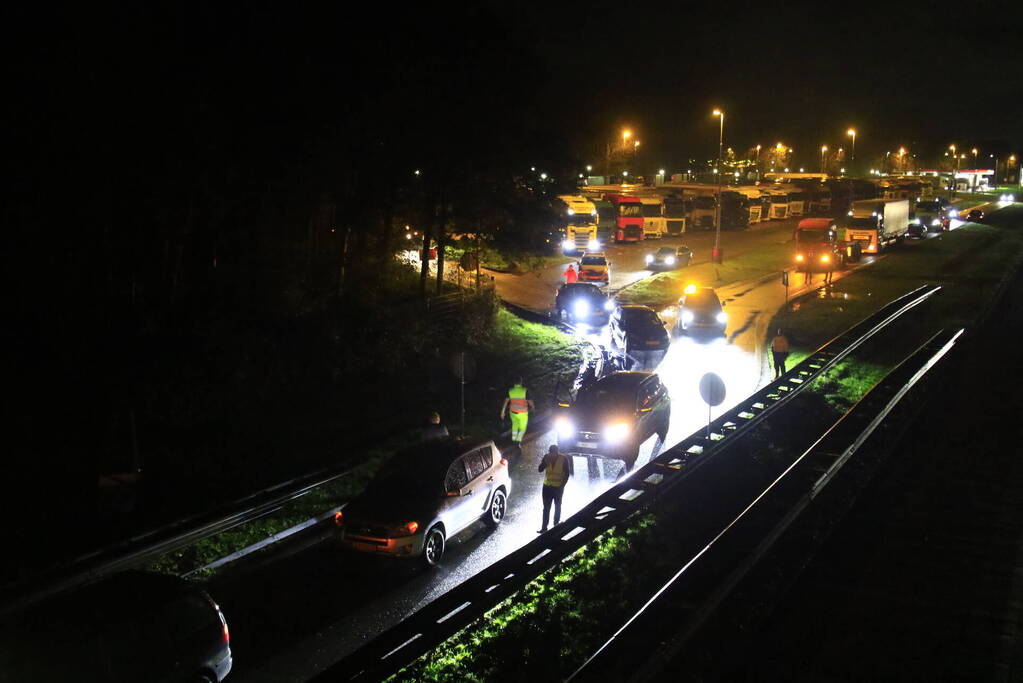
column 517, row 399
column 780, row 344
column 556, row 471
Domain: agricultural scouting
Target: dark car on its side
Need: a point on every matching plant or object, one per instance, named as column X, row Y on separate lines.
column 612, row 417
column 131, row 626
column 582, row 303
column 638, row 328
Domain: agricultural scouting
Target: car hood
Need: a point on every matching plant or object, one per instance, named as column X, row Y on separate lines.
column 643, row 334
column 597, row 418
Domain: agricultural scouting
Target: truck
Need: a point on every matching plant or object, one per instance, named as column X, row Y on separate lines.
column 580, row 218
column 877, row 223
column 779, row 202
column 654, row 225
column 704, row 211
column 628, row 217
column 607, row 221
column 819, row 247
column 798, row 201
column 675, row 215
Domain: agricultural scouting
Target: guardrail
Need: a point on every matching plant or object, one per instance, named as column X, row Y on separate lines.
column 436, row 622
column 152, row 544
column 678, row 608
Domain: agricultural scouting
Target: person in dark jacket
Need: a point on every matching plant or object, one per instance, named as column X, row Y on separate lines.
column 434, row 430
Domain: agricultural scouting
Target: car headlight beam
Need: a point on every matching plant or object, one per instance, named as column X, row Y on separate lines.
column 617, row 432
column 670, row 260
column 581, row 308
column 687, row 316
column 609, row 305
column 565, row 428
column 568, row 245
column 722, row 317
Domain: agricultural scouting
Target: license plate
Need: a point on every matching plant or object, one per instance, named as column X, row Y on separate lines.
column 585, row 444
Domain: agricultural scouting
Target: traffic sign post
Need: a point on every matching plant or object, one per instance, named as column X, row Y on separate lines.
column 785, row 281
column 712, row 390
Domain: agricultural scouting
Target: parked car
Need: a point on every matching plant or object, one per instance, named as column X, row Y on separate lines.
column 612, row 417
column 425, row 495
column 131, row 626
column 700, row 309
column 975, row 216
column 669, row 257
column 583, row 303
column 594, row 268
column 637, row 328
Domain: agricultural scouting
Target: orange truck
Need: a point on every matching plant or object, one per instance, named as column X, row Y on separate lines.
column 819, row 247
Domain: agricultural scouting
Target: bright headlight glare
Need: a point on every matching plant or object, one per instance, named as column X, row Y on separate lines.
column 568, row 245
column 581, row 308
column 687, row 316
column 935, row 221
column 565, row 427
column 670, row 260
column 649, row 258
column 609, row 305
column 953, row 213
column 617, row 432
column 593, row 245
column 571, row 212
column 799, row 258
column 722, row 317
column 825, row 259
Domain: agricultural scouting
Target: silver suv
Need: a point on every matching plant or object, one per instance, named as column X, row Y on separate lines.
column 425, row 495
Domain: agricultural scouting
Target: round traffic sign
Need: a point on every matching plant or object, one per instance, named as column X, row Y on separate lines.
column 712, row 389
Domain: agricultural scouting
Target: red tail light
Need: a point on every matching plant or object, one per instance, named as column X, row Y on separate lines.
column 227, row 634
column 339, row 518
column 412, row 527
column 504, row 462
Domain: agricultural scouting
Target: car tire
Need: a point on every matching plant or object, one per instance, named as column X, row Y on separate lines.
column 497, row 510
column 204, row 677
column 433, row 547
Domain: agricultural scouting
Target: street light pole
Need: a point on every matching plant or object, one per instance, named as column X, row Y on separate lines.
column 852, row 159
column 824, row 148
column 955, row 171
column 716, row 255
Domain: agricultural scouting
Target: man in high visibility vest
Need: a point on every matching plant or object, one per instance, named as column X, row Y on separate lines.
column 558, row 468
column 779, row 352
column 518, row 407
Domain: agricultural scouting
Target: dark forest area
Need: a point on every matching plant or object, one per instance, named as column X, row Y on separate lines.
column 204, row 220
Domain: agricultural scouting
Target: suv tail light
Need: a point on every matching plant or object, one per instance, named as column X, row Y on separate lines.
column 504, row 462
column 339, row 518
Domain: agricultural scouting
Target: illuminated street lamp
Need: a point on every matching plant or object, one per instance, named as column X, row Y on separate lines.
column 852, row 133
column 716, row 254
column 824, row 148
column 955, row 172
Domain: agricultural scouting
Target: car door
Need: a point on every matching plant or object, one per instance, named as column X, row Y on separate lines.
column 645, row 408
column 459, row 492
column 480, row 482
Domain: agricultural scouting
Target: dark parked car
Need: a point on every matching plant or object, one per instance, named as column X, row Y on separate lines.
column 700, row 309
column 638, row 328
column 582, row 303
column 612, row 417
column 425, row 495
column 132, row 626
column 976, row 216
column 667, row 258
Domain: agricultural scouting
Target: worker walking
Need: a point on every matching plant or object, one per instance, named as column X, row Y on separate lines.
column 518, row 406
column 558, row 468
column 779, row 352
column 570, row 274
column 434, row 428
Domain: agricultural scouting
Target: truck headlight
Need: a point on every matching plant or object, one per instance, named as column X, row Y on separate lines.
column 649, row 258
column 617, row 432
column 799, row 258
column 593, row 245
column 722, row 317
column 565, row 428
column 568, row 245
column 670, row 260
column 825, row 259
column 581, row 308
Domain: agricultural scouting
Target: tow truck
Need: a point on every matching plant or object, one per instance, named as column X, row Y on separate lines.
column 819, row 248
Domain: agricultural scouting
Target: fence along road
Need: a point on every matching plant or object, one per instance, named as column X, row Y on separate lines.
column 436, row 622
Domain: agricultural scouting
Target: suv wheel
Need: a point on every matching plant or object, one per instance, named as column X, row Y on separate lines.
column 433, row 547
column 498, row 508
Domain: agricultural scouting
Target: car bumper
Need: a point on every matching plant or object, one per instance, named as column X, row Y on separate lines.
column 222, row 666
column 592, row 449
column 407, row 546
column 602, row 277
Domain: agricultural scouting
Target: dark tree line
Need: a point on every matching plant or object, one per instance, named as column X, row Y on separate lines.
column 193, row 178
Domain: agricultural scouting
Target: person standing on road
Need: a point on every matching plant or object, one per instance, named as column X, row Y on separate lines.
column 558, row 468
column 827, row 275
column 518, row 407
column 779, row 352
column 570, row 275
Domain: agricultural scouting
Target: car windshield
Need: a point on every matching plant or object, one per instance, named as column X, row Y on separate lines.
column 582, row 219
column 652, row 210
column 702, row 299
column 630, row 209
column 640, row 317
column 605, row 393
column 665, row 251
column 583, row 291
column 592, row 261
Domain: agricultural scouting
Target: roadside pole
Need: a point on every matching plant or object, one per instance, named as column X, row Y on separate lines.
column 785, row 281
